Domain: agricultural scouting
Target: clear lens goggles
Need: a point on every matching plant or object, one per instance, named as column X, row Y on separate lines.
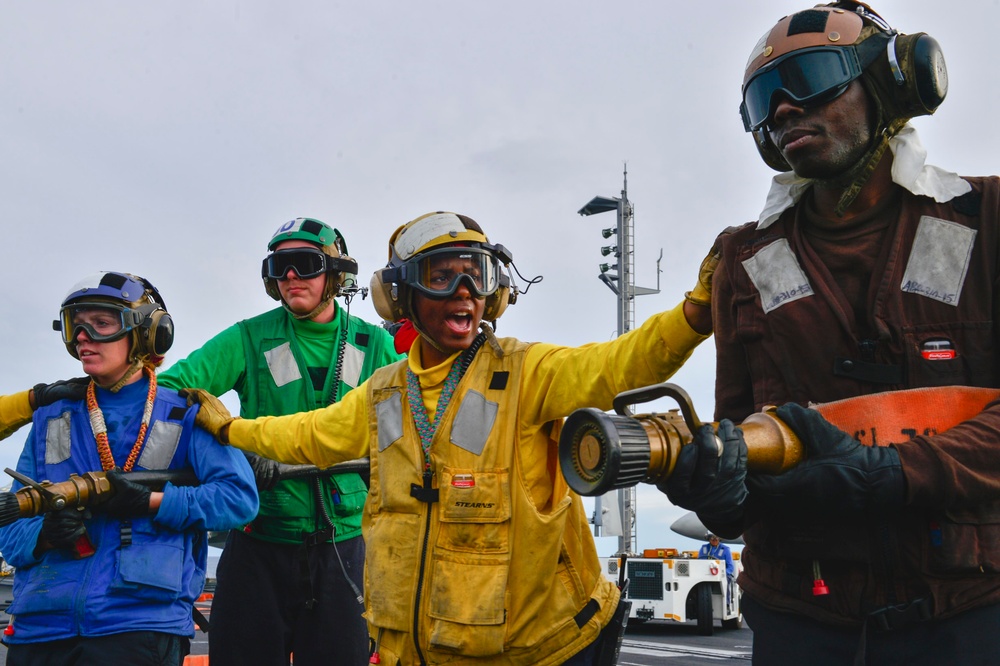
column 305, row 262
column 102, row 322
column 439, row 272
column 808, row 77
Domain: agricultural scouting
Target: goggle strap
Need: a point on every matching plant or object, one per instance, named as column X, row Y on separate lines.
column 870, row 49
column 342, row 265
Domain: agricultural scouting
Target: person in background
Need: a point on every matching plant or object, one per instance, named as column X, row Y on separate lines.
column 715, row 550
column 868, row 272
column 293, row 574
column 477, row 549
column 116, row 583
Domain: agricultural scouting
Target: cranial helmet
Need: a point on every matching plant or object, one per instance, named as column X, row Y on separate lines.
column 812, row 56
column 414, row 246
column 135, row 303
column 332, row 260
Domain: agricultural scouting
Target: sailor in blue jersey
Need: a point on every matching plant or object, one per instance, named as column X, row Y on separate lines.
column 116, row 584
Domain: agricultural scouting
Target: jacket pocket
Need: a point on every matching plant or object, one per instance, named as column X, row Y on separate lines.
column 964, row 541
column 45, row 587
column 353, row 493
column 474, row 511
column 467, row 609
column 391, row 566
column 970, row 342
column 153, row 571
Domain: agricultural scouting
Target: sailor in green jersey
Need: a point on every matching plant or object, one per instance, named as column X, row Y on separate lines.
column 294, row 574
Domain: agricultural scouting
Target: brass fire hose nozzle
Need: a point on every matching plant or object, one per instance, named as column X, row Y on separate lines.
column 79, row 490
column 600, row 452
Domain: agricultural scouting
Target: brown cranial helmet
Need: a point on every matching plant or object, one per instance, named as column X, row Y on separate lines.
column 812, row 57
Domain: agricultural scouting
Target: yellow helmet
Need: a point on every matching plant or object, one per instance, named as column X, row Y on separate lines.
column 812, row 57
column 414, row 244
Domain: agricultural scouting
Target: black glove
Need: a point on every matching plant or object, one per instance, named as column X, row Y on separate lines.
column 61, row 529
column 129, row 499
column 839, row 474
column 266, row 472
column 710, row 474
column 64, row 389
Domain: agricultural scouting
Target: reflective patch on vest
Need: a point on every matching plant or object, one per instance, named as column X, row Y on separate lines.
column 354, row 359
column 161, row 445
column 473, row 422
column 939, row 260
column 57, row 439
column 390, row 420
column 281, row 363
column 776, row 273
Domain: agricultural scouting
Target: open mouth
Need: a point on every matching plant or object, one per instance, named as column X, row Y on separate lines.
column 460, row 322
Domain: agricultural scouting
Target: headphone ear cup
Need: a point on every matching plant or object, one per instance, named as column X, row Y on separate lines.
column 386, row 305
column 497, row 303
column 930, row 72
column 271, row 287
column 925, row 75
column 159, row 328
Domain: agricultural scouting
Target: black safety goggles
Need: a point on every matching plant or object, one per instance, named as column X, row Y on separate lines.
column 807, row 77
column 103, row 322
column 438, row 273
column 306, row 263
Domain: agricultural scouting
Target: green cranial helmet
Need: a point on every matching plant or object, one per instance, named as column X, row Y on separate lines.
column 340, row 269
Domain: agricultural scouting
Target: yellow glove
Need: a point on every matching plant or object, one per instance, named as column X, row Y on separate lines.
column 15, row 411
column 702, row 292
column 213, row 415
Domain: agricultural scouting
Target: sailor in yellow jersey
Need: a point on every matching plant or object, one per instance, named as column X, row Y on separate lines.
column 477, row 551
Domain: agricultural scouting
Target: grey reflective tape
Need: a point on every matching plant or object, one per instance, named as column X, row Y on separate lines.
column 57, row 439
column 161, row 445
column 354, row 360
column 473, row 422
column 390, row 420
column 776, row 273
column 939, row 260
column 281, row 363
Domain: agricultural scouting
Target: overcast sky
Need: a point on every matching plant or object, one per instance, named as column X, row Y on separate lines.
column 170, row 139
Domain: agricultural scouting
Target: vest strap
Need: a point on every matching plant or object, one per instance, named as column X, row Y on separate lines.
column 873, row 373
column 425, row 493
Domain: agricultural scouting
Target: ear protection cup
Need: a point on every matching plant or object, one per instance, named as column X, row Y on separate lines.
column 925, row 76
column 271, row 287
column 156, row 334
column 499, row 300
column 385, row 298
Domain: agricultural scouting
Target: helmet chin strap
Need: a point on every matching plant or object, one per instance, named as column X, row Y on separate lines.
column 134, row 367
column 423, row 334
column 323, row 305
column 861, row 172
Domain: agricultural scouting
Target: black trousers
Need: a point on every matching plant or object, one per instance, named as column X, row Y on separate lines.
column 135, row 648
column 780, row 639
column 259, row 614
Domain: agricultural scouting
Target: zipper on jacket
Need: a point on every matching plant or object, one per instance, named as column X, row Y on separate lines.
column 429, row 496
